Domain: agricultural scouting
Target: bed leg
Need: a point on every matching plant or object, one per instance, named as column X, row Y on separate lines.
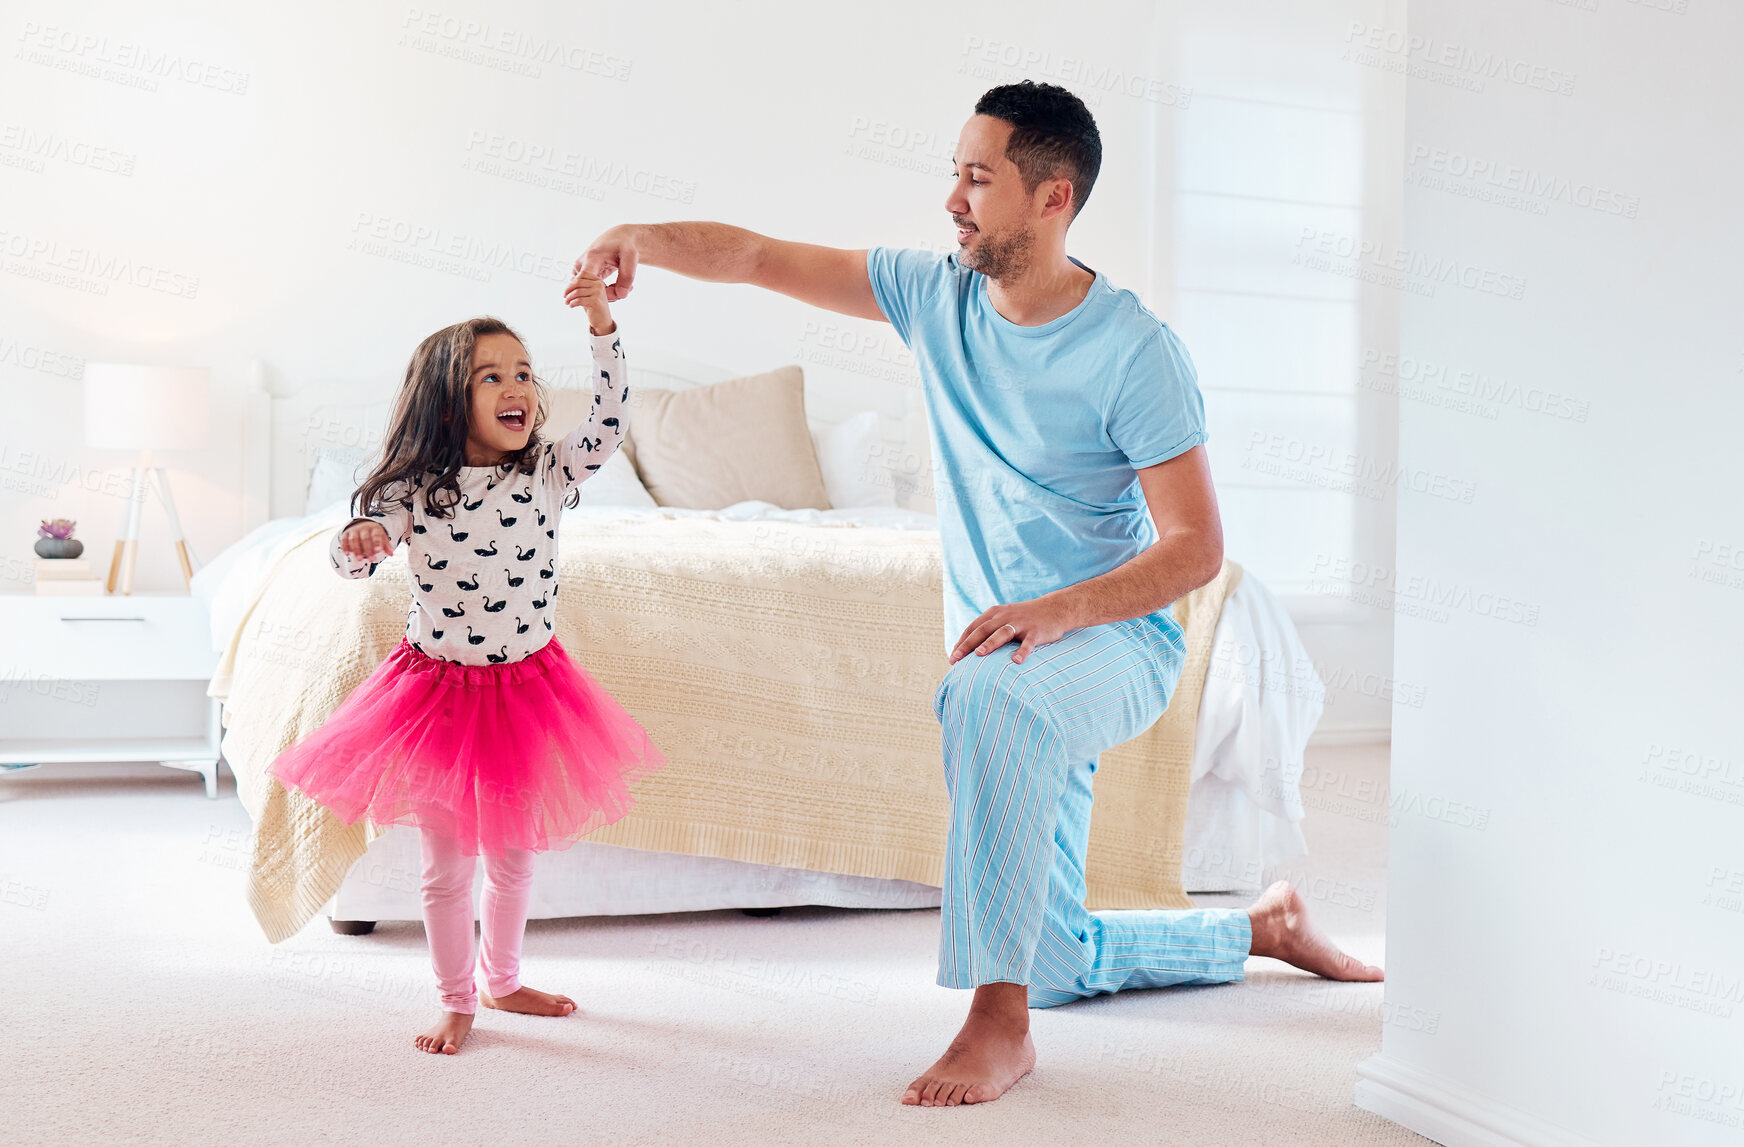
column 353, row 927
column 761, row 912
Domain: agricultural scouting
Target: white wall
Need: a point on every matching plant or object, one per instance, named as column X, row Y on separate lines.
column 1566, row 874
column 319, row 187
column 349, row 182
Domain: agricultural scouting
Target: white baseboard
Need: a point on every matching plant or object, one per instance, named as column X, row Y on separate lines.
column 1450, row 1114
column 1328, row 736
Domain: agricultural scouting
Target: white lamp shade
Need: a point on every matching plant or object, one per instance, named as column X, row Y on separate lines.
column 146, row 407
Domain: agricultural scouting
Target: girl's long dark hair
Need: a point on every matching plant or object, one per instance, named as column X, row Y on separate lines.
column 425, row 445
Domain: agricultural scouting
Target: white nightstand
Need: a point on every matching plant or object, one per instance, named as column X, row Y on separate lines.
column 108, row 679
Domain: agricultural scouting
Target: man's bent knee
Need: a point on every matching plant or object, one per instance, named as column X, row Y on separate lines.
column 976, row 685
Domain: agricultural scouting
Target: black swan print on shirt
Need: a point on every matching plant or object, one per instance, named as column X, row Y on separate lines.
column 525, row 557
column 473, row 638
column 513, row 580
column 489, row 608
column 460, row 537
column 461, row 612
column 524, row 496
column 468, row 586
column 490, row 553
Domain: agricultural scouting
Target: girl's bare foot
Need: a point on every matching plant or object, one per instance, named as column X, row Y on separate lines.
column 447, row 1036
column 531, row 1002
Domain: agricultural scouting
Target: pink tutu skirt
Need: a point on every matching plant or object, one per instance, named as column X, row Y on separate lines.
column 533, row 754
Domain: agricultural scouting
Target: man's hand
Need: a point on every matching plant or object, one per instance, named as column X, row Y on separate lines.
column 589, row 293
column 1029, row 623
column 614, row 250
column 366, row 542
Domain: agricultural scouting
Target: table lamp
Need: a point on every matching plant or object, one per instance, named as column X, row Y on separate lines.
column 145, row 408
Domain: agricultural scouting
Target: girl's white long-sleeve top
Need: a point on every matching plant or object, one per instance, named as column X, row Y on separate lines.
column 484, row 581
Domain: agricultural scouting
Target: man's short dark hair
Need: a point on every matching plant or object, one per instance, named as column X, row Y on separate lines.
column 1052, row 135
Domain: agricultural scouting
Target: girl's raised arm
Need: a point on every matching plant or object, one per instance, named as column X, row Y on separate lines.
column 579, row 456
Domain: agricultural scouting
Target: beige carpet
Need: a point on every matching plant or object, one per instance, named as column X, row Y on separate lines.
column 140, row 1004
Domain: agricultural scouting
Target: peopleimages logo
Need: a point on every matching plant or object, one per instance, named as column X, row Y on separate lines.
column 90, row 269
column 1508, row 177
column 495, row 154
column 451, row 252
column 1094, row 78
column 30, row 357
column 1417, row 268
column 504, row 48
column 21, row 146
column 1460, row 59
column 1348, row 470
column 1415, row 376
column 1709, row 991
column 137, row 65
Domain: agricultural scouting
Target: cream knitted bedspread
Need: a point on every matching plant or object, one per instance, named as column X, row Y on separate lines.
column 787, row 671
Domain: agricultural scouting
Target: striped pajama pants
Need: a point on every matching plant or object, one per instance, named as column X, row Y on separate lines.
column 1020, row 744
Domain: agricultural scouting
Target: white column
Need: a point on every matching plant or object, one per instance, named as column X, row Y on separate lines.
column 1565, row 930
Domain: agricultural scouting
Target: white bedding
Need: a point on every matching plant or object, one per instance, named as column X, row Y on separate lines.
column 1261, row 702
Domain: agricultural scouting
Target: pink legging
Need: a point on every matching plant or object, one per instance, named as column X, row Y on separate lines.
column 508, row 884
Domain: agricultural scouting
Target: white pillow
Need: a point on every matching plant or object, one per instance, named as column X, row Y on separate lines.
column 850, row 455
column 334, row 477
column 615, row 484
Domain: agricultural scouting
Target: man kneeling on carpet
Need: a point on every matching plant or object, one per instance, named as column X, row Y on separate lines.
column 1060, row 411
column 479, row 729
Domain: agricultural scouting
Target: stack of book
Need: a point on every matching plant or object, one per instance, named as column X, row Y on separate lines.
column 66, row 576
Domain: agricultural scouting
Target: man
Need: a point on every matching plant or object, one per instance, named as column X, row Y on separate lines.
column 1060, row 409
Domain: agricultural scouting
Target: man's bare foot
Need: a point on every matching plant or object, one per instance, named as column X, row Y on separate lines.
column 991, row 1052
column 1282, row 930
column 447, row 1036
column 530, row 1002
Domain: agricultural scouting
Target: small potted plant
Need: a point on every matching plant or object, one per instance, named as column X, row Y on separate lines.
column 54, row 539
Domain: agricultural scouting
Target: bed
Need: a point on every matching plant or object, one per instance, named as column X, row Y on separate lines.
column 783, row 659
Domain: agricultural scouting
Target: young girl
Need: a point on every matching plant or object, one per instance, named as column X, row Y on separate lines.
column 478, row 728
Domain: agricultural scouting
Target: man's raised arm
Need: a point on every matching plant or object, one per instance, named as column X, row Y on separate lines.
column 828, row 277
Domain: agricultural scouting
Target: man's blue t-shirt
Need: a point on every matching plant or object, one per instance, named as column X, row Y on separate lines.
column 1036, row 431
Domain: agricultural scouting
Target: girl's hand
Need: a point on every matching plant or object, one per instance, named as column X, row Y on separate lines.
column 366, row 542
column 589, row 292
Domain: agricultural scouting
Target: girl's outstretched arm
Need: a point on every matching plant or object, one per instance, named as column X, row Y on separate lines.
column 579, row 456
column 364, row 543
